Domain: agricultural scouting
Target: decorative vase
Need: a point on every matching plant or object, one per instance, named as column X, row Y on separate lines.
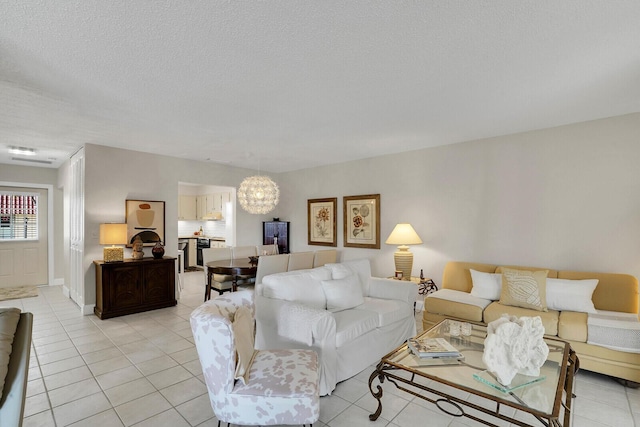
column 158, row 250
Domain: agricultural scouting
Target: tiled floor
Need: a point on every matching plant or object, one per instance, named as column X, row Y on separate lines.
column 143, row 370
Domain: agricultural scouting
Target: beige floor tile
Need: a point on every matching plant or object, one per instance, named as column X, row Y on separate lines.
column 72, row 392
column 80, row 409
column 196, row 411
column 109, row 365
column 68, row 377
column 36, row 403
column 142, row 408
column 108, row 418
column 61, row 366
column 184, row 391
column 170, row 418
column 169, row 377
column 118, row 377
column 129, row 391
column 156, row 365
column 42, row 419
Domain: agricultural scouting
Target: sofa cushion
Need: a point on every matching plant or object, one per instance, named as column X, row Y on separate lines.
column 360, row 267
column 389, row 310
column 572, row 326
column 571, row 295
column 343, row 293
column 524, row 288
column 351, row 324
column 301, row 286
column 458, row 304
column 9, row 318
column 549, row 318
column 486, row 285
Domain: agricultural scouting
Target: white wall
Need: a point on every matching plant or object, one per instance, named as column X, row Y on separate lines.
column 114, row 175
column 565, row 198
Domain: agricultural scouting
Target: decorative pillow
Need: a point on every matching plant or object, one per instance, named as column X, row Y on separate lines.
column 486, row 285
column 9, row 318
column 301, row 286
column 360, row 267
column 571, row 295
column 343, row 293
column 244, row 337
column 526, row 289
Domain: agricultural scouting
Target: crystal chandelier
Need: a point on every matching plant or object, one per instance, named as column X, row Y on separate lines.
column 258, row 194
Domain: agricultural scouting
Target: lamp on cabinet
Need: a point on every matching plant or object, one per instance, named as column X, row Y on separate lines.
column 113, row 234
column 403, row 235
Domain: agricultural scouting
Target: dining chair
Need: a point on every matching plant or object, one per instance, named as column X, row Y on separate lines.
column 300, row 260
column 248, row 386
column 324, row 257
column 270, row 265
column 238, row 252
column 219, row 282
column 267, row 249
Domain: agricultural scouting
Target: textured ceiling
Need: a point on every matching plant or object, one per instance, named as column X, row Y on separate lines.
column 284, row 85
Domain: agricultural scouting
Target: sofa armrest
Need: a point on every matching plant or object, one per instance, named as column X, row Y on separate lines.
column 401, row 290
column 15, row 384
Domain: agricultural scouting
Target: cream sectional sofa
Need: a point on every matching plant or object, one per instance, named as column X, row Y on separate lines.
column 348, row 317
column 614, row 293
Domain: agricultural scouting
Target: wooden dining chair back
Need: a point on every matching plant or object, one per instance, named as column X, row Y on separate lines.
column 219, row 282
column 300, row 260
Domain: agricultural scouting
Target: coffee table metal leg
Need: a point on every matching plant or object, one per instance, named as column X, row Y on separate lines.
column 377, row 394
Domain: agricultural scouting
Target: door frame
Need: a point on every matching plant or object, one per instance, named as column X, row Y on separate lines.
column 49, row 188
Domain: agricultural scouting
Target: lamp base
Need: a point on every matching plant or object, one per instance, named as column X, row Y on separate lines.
column 404, row 261
column 113, row 254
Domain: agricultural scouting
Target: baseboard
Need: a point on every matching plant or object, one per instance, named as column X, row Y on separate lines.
column 88, row 309
column 65, row 291
column 58, row 282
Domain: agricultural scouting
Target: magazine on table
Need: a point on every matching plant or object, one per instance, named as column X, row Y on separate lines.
column 432, row 347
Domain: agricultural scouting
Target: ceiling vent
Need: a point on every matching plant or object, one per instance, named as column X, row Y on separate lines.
column 20, row 159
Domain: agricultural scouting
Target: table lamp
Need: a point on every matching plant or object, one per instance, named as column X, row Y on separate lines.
column 403, row 235
column 113, row 234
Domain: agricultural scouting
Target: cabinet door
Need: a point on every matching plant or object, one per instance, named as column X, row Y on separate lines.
column 201, row 206
column 125, row 287
column 157, row 279
column 193, row 252
column 187, row 208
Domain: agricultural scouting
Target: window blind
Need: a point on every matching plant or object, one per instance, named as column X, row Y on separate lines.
column 18, row 216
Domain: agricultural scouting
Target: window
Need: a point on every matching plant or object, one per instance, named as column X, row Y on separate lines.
column 18, row 216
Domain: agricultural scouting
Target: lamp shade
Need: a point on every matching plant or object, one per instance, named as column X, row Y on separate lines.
column 113, row 234
column 403, row 234
column 258, row 194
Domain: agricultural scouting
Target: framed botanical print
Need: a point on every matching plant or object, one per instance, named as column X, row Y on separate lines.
column 321, row 222
column 145, row 219
column 362, row 221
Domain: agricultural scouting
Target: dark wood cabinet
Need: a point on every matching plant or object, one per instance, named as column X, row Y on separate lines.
column 279, row 229
column 133, row 286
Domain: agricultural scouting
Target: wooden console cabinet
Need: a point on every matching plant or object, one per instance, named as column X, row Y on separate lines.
column 133, row 286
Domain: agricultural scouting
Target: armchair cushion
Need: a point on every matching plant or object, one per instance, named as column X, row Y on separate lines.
column 343, row 293
column 244, row 340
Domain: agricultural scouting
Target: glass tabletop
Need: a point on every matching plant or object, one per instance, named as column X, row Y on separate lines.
column 542, row 393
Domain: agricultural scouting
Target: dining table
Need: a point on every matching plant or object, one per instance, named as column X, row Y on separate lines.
column 232, row 267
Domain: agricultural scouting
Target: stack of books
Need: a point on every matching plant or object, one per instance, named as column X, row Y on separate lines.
column 433, row 348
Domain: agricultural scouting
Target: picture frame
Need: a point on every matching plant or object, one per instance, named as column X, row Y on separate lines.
column 321, row 222
column 145, row 218
column 362, row 221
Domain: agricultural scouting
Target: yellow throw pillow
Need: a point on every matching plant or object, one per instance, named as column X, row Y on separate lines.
column 526, row 289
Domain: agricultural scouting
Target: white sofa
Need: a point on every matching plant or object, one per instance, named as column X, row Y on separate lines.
column 348, row 317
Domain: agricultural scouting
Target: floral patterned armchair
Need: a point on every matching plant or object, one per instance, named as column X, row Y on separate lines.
column 282, row 385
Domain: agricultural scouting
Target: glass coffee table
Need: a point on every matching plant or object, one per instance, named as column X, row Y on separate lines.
column 445, row 381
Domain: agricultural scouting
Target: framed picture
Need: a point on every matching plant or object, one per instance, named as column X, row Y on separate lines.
column 321, row 222
column 145, row 218
column 362, row 221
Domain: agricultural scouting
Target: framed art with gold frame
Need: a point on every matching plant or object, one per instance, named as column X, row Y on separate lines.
column 145, row 218
column 321, row 222
column 362, row 221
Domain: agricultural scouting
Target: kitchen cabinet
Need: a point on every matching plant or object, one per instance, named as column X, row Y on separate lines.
column 187, row 208
column 133, row 286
